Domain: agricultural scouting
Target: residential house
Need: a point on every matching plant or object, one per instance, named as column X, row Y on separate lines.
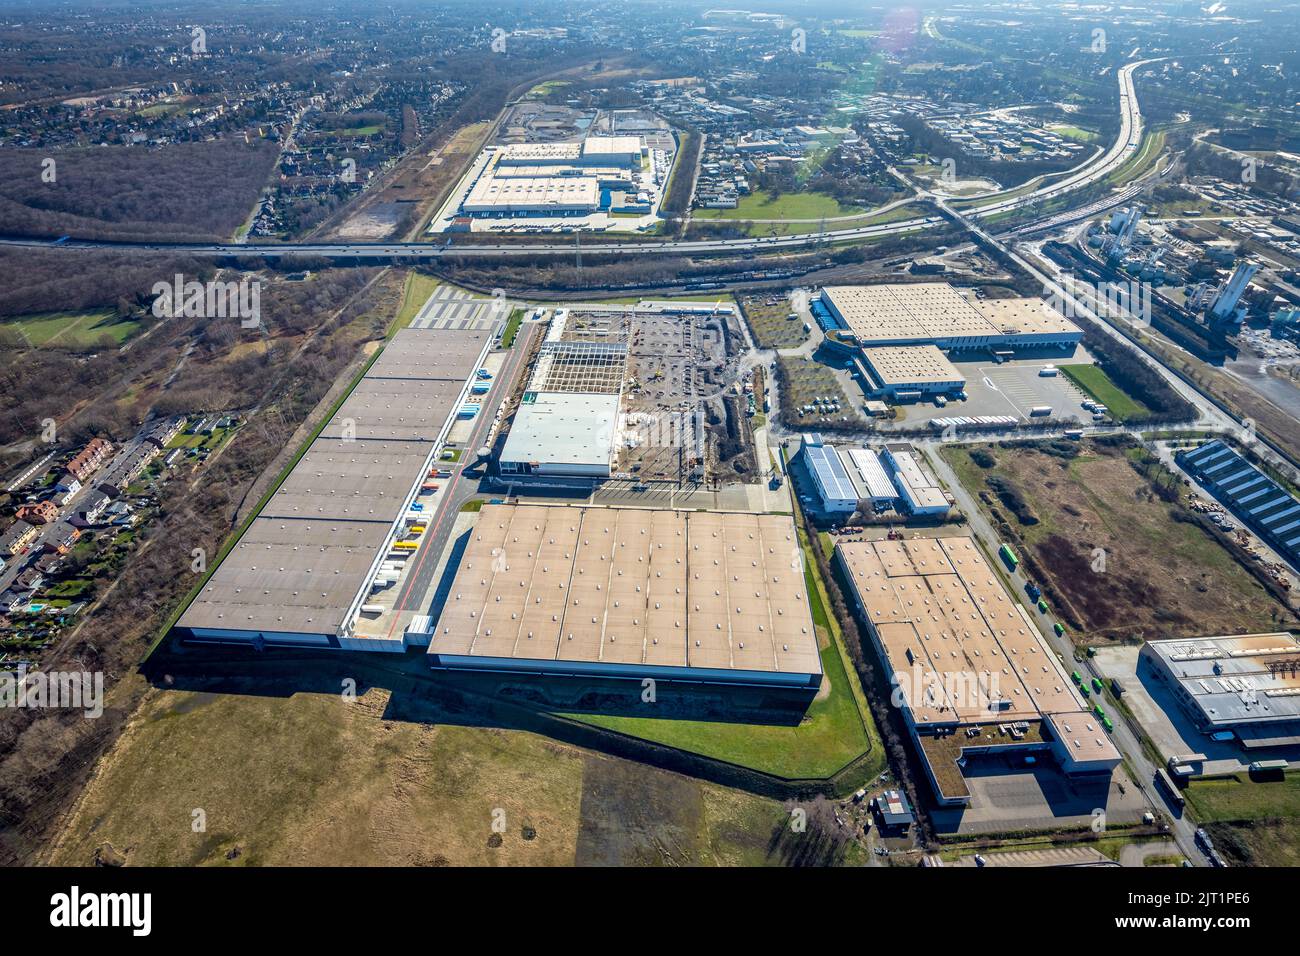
column 38, row 512
column 87, row 461
column 17, row 538
column 92, row 509
column 61, row 538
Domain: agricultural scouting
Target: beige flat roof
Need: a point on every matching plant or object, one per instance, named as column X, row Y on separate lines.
column 945, row 619
column 1023, row 316
column 910, row 364
column 629, row 587
column 937, row 311
column 300, row 565
column 492, row 192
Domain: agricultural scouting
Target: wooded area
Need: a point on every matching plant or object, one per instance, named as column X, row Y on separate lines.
column 181, row 192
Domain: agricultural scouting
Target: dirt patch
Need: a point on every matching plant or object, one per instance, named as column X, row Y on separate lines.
column 1122, row 555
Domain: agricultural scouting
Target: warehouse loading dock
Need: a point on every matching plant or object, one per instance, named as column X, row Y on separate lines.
column 301, row 571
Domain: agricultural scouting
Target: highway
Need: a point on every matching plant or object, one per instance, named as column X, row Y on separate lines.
column 1086, row 174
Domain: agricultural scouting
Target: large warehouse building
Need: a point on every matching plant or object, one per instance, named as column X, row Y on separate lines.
column 299, row 573
column 972, row 673
column 567, row 422
column 1248, row 684
column 935, row 313
column 1269, row 509
column 558, row 179
column 909, row 372
column 631, row 593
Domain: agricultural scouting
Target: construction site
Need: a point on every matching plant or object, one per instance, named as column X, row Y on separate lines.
column 649, row 393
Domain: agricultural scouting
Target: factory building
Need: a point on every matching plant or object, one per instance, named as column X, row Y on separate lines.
column 906, row 372
column 935, row 313
column 556, row 179
column 919, row 492
column 846, row 479
column 299, row 574
column 631, row 593
column 1247, row 684
column 1266, row 507
column 562, row 433
column 870, row 475
column 971, row 672
column 836, row 493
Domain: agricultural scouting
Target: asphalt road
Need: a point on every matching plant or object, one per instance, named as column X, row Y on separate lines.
column 458, row 489
column 1085, row 174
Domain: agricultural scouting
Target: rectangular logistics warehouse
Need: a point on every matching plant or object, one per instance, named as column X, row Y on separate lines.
column 298, row 574
column 711, row 597
column 1270, row 510
column 972, row 673
column 1246, row 684
column 935, row 313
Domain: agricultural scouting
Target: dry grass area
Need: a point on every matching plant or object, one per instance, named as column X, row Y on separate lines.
column 419, row 184
column 311, row 779
column 1161, row 576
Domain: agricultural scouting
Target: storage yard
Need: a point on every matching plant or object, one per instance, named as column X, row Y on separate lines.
column 1163, row 575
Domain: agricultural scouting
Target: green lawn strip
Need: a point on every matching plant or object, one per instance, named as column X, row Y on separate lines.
column 834, row 732
column 512, row 328
column 416, row 292
column 233, row 538
column 1099, row 386
column 830, row 736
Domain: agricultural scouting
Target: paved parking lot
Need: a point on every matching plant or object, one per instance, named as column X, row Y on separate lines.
column 451, row 308
column 1012, row 388
column 1166, row 723
column 1008, row 796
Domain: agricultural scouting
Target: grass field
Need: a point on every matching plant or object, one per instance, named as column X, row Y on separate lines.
column 1251, row 822
column 760, row 205
column 1093, row 380
column 311, row 779
column 69, row 329
column 1161, row 576
column 542, row 89
column 1075, row 133
column 417, row 291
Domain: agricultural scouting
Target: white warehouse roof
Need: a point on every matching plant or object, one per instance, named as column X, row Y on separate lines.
column 563, row 428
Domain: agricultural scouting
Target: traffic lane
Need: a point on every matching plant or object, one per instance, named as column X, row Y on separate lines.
column 458, row 489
